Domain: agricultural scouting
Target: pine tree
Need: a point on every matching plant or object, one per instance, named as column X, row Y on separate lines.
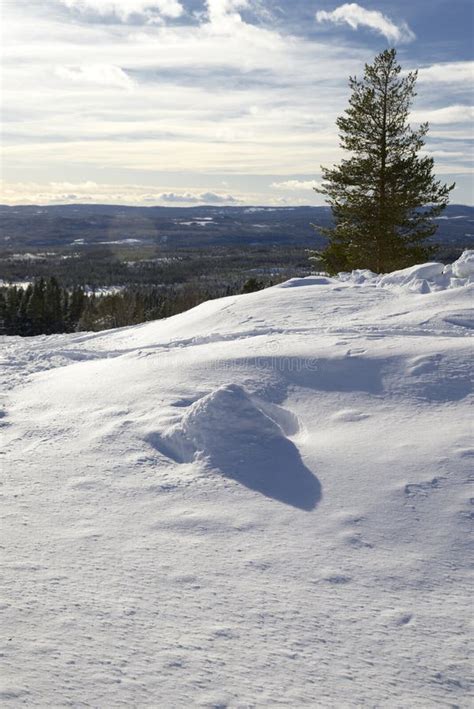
column 384, row 197
column 53, row 312
column 75, row 306
column 3, row 314
column 13, row 303
column 23, row 324
column 36, row 308
column 88, row 319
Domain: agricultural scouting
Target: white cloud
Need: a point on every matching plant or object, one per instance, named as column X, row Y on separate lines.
column 295, row 185
column 219, row 9
column 448, row 72
column 197, row 198
column 100, row 74
column 188, row 104
column 124, row 9
column 446, row 115
column 355, row 15
column 204, row 100
column 88, row 192
column 175, row 155
column 243, row 40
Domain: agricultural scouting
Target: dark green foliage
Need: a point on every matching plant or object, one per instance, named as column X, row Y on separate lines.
column 54, row 306
column 131, row 287
column 252, row 285
column 46, row 308
column 14, row 308
column 74, row 305
column 35, row 308
column 384, row 197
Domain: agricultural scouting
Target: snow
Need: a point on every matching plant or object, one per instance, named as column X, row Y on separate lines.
column 14, row 284
column 423, row 278
column 120, row 241
column 204, row 221
column 231, row 435
column 263, row 501
column 29, row 257
column 464, row 266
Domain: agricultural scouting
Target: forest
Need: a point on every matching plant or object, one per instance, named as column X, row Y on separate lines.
column 98, row 288
column 45, row 307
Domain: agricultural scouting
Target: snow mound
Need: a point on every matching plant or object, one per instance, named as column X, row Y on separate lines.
column 308, row 281
column 227, row 432
column 464, row 266
column 359, row 276
column 422, row 278
column 406, row 276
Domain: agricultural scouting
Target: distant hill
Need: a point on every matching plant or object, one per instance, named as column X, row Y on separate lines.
column 177, row 227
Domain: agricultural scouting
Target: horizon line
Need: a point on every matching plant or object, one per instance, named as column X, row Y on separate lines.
column 189, row 206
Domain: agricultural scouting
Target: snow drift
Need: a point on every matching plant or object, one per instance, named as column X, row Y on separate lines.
column 229, row 433
column 263, row 501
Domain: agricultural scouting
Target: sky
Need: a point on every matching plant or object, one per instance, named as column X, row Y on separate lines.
column 185, row 102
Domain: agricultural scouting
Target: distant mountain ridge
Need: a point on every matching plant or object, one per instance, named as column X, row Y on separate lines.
column 66, row 225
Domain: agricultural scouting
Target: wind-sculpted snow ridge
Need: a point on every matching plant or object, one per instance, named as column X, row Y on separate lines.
column 426, row 278
column 263, row 501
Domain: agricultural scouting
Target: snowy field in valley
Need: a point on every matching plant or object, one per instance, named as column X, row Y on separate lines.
column 263, row 501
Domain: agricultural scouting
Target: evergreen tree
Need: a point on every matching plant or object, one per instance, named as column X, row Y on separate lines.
column 88, row 319
column 75, row 306
column 3, row 314
column 23, row 324
column 35, row 308
column 13, row 302
column 53, row 312
column 384, row 196
column 252, row 285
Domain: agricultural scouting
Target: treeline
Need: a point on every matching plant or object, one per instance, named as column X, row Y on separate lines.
column 148, row 266
column 45, row 307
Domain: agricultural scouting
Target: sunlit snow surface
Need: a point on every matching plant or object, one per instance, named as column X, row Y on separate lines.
column 261, row 502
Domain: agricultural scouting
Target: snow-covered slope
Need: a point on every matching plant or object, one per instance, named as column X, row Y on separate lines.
column 261, row 502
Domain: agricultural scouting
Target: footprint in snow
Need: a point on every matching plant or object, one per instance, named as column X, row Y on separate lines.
column 258, row 565
column 423, row 489
column 224, row 634
column 396, row 617
column 338, row 579
column 350, row 519
column 356, row 541
column 332, row 575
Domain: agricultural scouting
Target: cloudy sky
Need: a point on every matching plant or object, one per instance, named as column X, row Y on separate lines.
column 213, row 101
